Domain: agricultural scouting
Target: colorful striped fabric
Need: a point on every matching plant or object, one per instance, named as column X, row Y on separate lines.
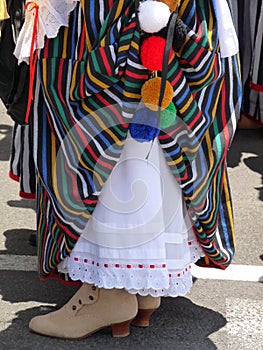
column 249, row 23
column 87, row 90
column 22, row 166
column 257, row 73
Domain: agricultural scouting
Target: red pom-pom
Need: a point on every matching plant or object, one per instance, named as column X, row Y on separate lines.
column 152, row 51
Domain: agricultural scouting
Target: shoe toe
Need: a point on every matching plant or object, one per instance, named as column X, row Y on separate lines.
column 41, row 325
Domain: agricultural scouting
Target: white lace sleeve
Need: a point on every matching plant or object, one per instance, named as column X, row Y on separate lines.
column 52, row 15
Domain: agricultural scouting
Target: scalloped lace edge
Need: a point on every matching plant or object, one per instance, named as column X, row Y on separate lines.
column 155, row 280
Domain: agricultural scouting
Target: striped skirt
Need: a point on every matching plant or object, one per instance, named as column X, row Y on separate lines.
column 88, row 87
column 249, row 22
column 22, row 166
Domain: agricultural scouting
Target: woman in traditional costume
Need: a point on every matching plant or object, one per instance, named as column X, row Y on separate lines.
column 22, row 168
column 135, row 107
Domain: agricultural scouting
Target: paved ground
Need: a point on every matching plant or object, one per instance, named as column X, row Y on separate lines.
column 223, row 311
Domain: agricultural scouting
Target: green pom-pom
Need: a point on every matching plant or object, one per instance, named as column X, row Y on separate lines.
column 168, row 116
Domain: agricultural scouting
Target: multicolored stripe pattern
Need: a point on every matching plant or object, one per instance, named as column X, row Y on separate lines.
column 249, row 23
column 22, row 166
column 87, row 90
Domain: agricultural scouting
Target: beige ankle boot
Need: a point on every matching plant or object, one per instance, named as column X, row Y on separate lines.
column 146, row 307
column 88, row 311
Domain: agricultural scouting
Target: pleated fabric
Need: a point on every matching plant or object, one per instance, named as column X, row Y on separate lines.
column 249, row 23
column 22, row 166
column 88, row 87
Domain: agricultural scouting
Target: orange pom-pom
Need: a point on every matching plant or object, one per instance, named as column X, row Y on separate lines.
column 172, row 4
column 151, row 93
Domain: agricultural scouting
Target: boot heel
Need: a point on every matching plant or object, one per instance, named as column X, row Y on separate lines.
column 143, row 318
column 120, row 330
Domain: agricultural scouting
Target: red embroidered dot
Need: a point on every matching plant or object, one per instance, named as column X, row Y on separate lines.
column 93, row 262
column 76, row 259
column 140, row 266
column 170, row 275
column 189, row 243
column 163, row 265
column 117, row 265
column 106, row 265
column 178, row 275
column 128, row 266
column 152, row 266
column 85, row 260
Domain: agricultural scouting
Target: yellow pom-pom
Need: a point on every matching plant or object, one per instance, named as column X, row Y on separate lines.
column 151, row 93
column 172, row 4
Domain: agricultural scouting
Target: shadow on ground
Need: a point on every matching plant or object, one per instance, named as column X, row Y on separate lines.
column 178, row 324
column 21, row 241
column 22, row 203
column 17, row 242
column 248, row 141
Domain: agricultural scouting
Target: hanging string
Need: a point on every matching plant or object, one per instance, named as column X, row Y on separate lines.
column 32, row 6
column 168, row 45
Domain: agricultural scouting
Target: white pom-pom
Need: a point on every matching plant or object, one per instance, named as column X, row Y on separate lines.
column 153, row 16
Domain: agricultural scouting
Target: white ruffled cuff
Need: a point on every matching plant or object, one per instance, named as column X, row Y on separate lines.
column 51, row 16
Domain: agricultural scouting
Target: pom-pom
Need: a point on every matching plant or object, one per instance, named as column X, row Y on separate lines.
column 172, row 4
column 168, row 116
column 143, row 127
column 153, row 16
column 152, row 51
column 180, row 33
column 151, row 93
